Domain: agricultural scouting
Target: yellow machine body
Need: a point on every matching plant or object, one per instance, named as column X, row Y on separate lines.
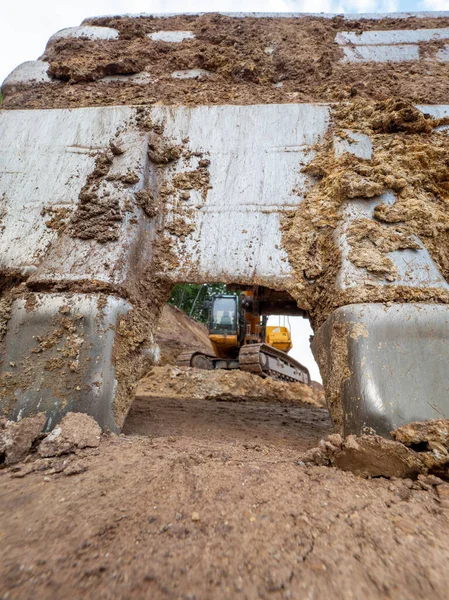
column 279, row 337
column 241, row 338
column 225, row 346
column 251, row 331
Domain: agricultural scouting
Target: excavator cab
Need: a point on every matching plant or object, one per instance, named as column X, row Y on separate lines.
column 224, row 315
column 224, row 325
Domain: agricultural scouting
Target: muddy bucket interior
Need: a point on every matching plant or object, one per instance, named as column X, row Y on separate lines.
column 259, row 179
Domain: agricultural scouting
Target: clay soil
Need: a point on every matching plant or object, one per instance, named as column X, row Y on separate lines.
column 204, row 500
column 247, row 61
column 176, row 333
column 208, row 494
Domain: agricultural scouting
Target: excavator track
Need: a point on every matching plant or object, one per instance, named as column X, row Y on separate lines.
column 266, row 361
column 198, row 360
column 260, row 359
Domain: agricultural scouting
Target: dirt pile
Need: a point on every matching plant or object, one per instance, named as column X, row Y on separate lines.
column 17, row 438
column 176, row 333
column 76, row 431
column 61, row 450
column 416, row 449
column 411, row 159
column 224, row 385
column 229, row 61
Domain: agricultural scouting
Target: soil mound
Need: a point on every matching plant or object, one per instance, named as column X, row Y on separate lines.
column 223, row 385
column 416, row 448
column 177, row 333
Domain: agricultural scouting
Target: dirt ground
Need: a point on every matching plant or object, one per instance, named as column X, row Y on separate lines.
column 205, row 500
column 297, row 427
column 208, row 493
column 235, row 386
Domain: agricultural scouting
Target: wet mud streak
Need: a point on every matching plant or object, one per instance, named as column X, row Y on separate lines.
column 97, row 215
column 411, row 159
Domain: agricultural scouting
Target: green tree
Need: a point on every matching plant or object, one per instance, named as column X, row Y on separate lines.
column 190, row 298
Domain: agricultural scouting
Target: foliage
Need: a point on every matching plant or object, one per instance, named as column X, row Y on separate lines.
column 190, row 298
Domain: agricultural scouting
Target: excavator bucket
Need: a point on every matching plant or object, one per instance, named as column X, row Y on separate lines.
column 140, row 152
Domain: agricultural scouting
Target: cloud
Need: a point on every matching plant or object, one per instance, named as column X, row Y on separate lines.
column 434, row 5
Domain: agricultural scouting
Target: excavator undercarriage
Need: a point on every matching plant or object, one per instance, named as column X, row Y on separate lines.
column 261, row 359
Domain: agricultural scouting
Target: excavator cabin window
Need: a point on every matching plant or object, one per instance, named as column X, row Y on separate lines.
column 224, row 315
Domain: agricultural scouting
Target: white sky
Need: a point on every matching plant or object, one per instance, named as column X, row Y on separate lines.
column 26, row 26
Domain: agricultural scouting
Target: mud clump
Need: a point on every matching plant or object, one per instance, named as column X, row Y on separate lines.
column 179, row 227
column 371, row 241
column 410, row 158
column 24, row 449
column 17, row 438
column 249, row 61
column 419, row 448
column 237, row 386
column 6, row 301
column 57, row 217
column 430, row 435
column 75, row 431
column 98, row 214
column 193, row 180
column 387, row 116
column 162, row 154
column 147, row 203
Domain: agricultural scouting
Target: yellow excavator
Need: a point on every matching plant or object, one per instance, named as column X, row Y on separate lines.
column 241, row 339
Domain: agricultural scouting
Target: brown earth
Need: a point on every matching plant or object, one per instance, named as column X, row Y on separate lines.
column 249, row 61
column 176, row 333
column 189, row 510
column 235, row 386
column 213, row 491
